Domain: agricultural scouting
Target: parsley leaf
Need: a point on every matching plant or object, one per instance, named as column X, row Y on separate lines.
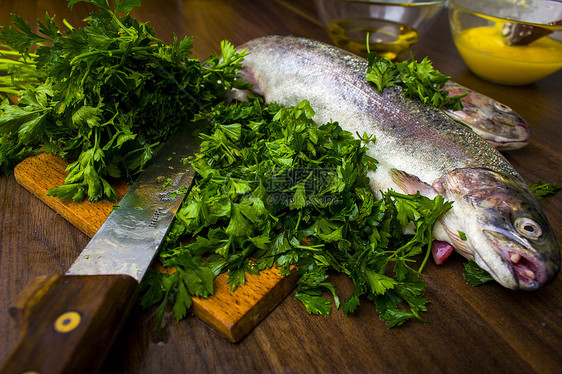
column 543, row 189
column 314, row 303
column 381, row 71
column 419, row 80
column 475, row 275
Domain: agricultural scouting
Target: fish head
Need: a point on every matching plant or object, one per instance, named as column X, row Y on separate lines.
column 497, row 123
column 506, row 230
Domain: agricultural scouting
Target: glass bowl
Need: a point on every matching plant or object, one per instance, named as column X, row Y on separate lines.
column 393, row 25
column 511, row 42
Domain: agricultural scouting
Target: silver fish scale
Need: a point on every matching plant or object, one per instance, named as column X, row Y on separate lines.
column 398, row 122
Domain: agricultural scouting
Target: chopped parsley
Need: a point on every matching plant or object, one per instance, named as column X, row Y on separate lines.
column 543, row 189
column 419, row 79
column 475, row 275
column 275, row 189
column 167, row 183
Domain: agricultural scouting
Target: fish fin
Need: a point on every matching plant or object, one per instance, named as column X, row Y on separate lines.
column 248, row 75
column 236, row 95
column 411, row 184
column 461, row 246
column 446, row 230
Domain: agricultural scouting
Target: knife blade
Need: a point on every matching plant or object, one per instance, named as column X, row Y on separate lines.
column 70, row 321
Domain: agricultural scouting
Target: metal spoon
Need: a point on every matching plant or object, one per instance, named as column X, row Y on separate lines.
column 518, row 34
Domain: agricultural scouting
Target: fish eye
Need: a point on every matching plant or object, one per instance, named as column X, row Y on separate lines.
column 502, row 107
column 528, row 228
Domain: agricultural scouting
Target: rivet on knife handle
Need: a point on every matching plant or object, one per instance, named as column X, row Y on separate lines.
column 71, row 327
column 67, row 322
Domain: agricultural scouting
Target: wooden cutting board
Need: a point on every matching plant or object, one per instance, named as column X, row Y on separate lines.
column 231, row 314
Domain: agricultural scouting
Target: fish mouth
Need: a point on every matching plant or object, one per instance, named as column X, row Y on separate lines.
column 508, row 145
column 529, row 271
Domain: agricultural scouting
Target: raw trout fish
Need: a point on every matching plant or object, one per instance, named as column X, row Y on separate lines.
column 419, row 148
column 497, row 123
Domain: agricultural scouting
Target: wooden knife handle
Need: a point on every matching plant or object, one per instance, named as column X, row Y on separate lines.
column 69, row 322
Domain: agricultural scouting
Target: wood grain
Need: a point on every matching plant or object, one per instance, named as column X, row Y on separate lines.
column 231, row 314
column 70, row 323
column 487, row 329
column 40, row 173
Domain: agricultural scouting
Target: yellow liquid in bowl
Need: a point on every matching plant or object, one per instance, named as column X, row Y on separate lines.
column 386, row 38
column 486, row 53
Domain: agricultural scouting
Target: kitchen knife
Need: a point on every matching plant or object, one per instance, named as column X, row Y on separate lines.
column 70, row 321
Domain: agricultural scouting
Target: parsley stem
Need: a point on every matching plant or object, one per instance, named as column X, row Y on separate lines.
column 10, row 91
column 416, row 313
column 13, row 53
column 430, row 241
column 298, row 221
column 123, row 58
column 67, row 24
column 12, row 82
column 23, row 75
column 110, row 52
column 313, row 248
column 120, row 24
column 13, row 62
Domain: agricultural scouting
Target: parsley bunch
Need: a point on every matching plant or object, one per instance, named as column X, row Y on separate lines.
column 419, row 79
column 274, row 188
column 108, row 95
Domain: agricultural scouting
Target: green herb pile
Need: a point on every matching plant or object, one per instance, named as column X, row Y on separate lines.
column 276, row 189
column 273, row 187
column 420, row 80
column 108, row 95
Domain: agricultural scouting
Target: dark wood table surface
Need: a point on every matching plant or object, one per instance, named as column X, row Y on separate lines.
column 484, row 329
